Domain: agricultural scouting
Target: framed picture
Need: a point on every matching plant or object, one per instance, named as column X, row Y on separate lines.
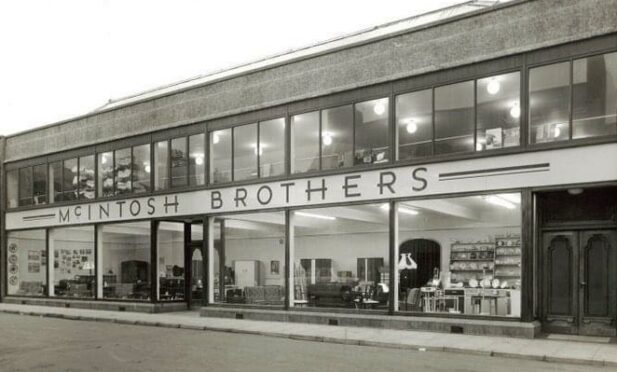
column 34, row 255
column 275, row 267
column 34, row 267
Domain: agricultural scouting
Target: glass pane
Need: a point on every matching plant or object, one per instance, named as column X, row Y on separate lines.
column 414, row 120
column 372, row 132
column 86, row 177
column 245, row 152
column 499, row 111
column 220, row 156
column 26, row 263
column 454, row 118
column 161, row 165
column 69, row 176
column 595, row 96
column 305, row 142
column 124, row 259
column 55, row 182
column 39, row 183
column 272, row 147
column 122, row 171
column 448, row 265
column 560, row 275
column 106, row 174
column 341, row 257
column 597, row 269
column 549, row 103
column 197, row 159
column 252, row 247
column 197, row 276
column 178, row 162
column 72, row 250
column 337, row 137
column 25, row 186
column 12, row 188
column 141, row 168
column 170, row 242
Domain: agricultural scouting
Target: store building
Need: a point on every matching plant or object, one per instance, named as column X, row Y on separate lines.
column 450, row 173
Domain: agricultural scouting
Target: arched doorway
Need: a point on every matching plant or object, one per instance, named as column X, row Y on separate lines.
column 427, row 255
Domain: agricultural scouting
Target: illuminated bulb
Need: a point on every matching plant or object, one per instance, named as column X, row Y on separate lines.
column 261, row 149
column 411, row 127
column 215, row 138
column 479, row 147
column 103, row 159
column 199, row 160
column 515, row 111
column 327, row 139
column 493, row 86
column 557, row 131
column 379, row 108
column 147, row 168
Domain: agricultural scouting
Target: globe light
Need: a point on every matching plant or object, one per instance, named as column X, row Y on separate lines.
column 199, row 160
column 493, row 86
column 411, row 127
column 379, row 108
column 215, row 138
column 515, row 111
column 327, row 139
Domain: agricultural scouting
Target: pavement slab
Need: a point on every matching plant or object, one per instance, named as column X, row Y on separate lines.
column 559, row 351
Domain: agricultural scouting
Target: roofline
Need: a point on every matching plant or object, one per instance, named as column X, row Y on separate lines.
column 498, row 5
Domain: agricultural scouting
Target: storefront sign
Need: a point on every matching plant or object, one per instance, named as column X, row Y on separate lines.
column 556, row 167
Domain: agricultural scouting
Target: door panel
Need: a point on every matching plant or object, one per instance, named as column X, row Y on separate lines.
column 580, row 282
column 597, row 288
column 560, row 282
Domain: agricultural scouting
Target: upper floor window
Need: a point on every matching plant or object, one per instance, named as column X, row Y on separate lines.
column 179, row 162
column 197, row 160
column 12, row 188
column 371, row 134
column 124, row 171
column 25, row 186
column 248, row 151
column 86, row 177
column 573, row 99
column 305, row 142
column 462, row 117
column 141, row 168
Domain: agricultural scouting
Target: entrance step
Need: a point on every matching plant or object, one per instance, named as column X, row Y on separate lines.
column 576, row 338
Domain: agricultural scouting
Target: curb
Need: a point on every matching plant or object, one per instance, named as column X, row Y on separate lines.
column 332, row 340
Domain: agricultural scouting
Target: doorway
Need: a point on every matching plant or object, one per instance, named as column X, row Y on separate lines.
column 579, row 281
column 427, row 256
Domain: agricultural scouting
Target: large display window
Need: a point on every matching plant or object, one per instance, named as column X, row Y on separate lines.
column 460, row 255
column 340, row 257
column 71, row 252
column 124, row 261
column 26, row 263
column 171, row 271
column 248, row 259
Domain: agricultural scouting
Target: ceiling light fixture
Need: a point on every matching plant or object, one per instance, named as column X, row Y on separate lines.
column 327, row 138
column 147, row 168
column 515, row 111
column 215, row 138
column 379, row 108
column 493, row 86
column 199, row 159
column 494, row 199
column 313, row 215
column 411, row 212
column 411, row 127
column 576, row 191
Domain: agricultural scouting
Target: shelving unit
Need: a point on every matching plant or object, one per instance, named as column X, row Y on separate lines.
column 470, row 260
column 508, row 257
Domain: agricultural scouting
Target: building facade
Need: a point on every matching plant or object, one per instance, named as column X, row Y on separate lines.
column 457, row 175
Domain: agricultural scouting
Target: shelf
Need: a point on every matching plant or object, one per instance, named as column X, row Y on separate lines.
column 508, row 264
column 473, row 259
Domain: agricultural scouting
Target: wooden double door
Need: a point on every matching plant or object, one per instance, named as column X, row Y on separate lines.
column 579, row 282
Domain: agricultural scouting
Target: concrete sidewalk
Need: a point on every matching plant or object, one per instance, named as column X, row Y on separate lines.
column 533, row 349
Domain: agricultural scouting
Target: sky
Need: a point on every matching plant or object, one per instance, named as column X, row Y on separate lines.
column 64, row 58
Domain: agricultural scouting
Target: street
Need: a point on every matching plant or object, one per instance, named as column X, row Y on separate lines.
column 29, row 343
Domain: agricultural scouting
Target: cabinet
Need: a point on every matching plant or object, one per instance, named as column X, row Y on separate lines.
column 247, row 273
column 471, row 260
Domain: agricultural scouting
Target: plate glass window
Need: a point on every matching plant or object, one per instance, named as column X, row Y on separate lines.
column 26, row 263
column 71, row 250
column 86, row 177
column 305, row 142
column 454, row 118
column 122, row 171
column 161, row 165
column 372, row 131
column 179, row 161
column 141, row 168
column 549, row 103
column 414, row 120
column 245, row 152
column 197, row 160
column 220, row 156
column 272, row 147
column 498, row 111
column 170, row 241
column 337, row 137
column 594, row 92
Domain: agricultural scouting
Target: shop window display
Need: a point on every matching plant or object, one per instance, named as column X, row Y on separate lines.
column 460, row 255
column 124, row 261
column 248, row 252
column 340, row 257
column 170, row 241
column 26, row 263
column 72, row 252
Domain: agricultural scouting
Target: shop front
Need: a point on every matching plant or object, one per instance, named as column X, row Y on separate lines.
column 510, row 238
